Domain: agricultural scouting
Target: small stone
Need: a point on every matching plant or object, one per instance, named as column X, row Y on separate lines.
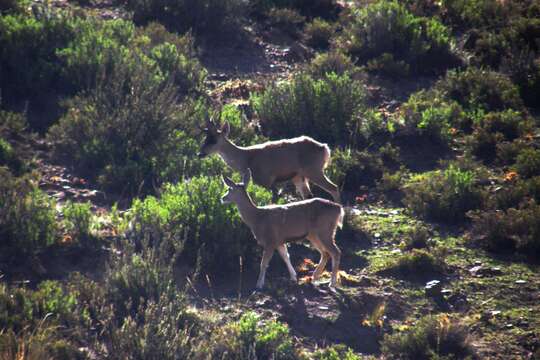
column 323, row 307
column 521, row 282
column 475, row 270
column 446, row 292
column 508, row 326
column 377, row 235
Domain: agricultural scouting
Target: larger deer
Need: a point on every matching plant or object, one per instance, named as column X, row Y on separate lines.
column 300, row 159
column 274, row 225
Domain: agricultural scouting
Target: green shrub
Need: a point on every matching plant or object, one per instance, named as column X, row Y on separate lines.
column 138, row 310
column 528, row 162
column 158, row 331
column 387, row 27
column 79, row 222
column 524, row 69
column 330, row 62
column 27, row 52
column 391, row 183
column 327, row 109
column 386, row 64
column 515, row 193
column 126, row 139
column 352, row 169
column 443, row 195
column 251, row 338
column 417, row 263
column 433, row 337
column 54, row 54
column 430, row 117
column 416, row 238
column 287, row 20
column 210, row 236
column 27, row 217
column 136, row 279
column 336, row 352
column 327, row 9
column 12, row 6
column 318, row 33
column 507, row 151
column 515, row 229
column 213, row 19
column 9, row 158
column 480, row 89
column 23, row 307
column 242, row 133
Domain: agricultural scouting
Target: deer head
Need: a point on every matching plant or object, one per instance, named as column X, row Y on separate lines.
column 215, row 137
column 235, row 191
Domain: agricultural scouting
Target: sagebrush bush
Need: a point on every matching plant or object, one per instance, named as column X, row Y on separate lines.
column 27, row 217
column 12, row 6
column 210, row 235
column 430, row 117
column 125, row 132
column 386, row 28
column 252, row 338
column 287, row 20
column 515, row 193
column 212, row 19
column 493, row 128
column 528, row 162
column 99, row 47
column 333, row 61
column 27, row 52
column 416, row 238
column 336, row 352
column 318, row 33
column 476, row 88
column 507, row 151
column 351, row 169
column 53, row 54
column 417, row 263
column 327, row 9
column 79, row 222
column 433, row 337
column 23, row 307
column 443, row 195
column 9, row 158
column 515, row 229
column 328, row 109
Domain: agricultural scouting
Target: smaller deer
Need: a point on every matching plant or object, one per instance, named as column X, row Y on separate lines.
column 274, row 225
column 300, row 159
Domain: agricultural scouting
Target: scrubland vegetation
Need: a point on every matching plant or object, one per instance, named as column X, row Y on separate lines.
column 113, row 240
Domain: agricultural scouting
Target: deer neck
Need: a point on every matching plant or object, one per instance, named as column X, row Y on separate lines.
column 247, row 209
column 234, row 156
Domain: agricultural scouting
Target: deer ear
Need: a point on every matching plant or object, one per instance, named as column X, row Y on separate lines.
column 227, row 181
column 226, row 128
column 247, row 177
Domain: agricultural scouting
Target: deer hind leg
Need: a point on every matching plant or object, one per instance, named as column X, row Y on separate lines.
column 316, row 242
column 322, row 181
column 321, row 266
column 267, row 255
column 282, row 249
column 335, row 254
